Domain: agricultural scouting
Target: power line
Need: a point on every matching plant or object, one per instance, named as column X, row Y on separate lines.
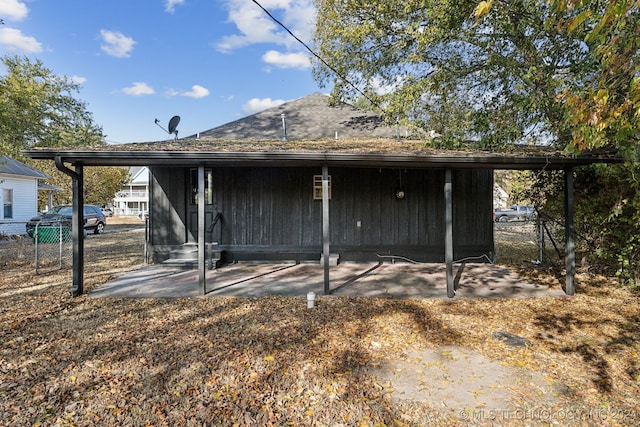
column 343, row 78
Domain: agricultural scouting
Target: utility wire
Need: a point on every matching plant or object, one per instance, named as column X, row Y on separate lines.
column 343, row 78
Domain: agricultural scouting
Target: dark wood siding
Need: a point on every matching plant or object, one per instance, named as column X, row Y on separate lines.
column 270, row 213
column 168, row 218
column 267, row 207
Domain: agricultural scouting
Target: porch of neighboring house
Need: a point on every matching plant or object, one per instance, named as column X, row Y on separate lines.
column 133, row 199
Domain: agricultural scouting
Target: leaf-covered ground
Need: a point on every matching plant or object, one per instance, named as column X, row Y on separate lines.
column 271, row 361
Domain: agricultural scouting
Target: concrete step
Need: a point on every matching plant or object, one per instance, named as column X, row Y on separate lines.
column 333, row 259
column 186, row 258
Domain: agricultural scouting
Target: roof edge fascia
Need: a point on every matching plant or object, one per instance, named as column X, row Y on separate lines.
column 466, row 160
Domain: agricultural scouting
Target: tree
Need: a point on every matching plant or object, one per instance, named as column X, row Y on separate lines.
column 562, row 72
column 603, row 107
column 39, row 109
column 506, row 70
column 100, row 183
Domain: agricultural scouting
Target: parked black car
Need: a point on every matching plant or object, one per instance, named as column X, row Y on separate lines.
column 94, row 219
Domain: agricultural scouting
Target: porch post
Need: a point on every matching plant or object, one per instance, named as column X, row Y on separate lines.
column 570, row 249
column 77, row 232
column 77, row 224
column 448, row 239
column 325, row 227
column 202, row 272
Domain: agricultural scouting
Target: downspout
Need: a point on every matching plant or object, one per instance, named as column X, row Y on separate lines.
column 77, row 227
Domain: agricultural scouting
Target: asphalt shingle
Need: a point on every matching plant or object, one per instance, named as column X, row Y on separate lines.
column 309, row 117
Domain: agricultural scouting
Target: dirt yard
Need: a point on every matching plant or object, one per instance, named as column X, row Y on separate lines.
column 348, row 361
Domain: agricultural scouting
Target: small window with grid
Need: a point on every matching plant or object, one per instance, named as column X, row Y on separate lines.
column 317, row 187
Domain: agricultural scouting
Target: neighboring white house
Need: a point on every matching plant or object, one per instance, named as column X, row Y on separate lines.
column 18, row 195
column 500, row 197
column 134, row 197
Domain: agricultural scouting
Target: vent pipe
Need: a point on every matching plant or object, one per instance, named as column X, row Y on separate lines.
column 284, row 128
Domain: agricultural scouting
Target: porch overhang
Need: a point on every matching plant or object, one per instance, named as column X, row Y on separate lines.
column 325, row 155
column 455, row 160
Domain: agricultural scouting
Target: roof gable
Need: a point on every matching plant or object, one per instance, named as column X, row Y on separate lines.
column 13, row 167
column 309, row 117
column 139, row 175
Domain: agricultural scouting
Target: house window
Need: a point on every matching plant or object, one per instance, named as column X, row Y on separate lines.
column 7, row 203
column 208, row 186
column 317, row 187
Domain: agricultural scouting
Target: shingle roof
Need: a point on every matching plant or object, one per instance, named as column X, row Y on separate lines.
column 13, row 167
column 309, row 117
column 363, row 140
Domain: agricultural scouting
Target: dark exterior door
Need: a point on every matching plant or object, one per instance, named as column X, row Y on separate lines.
column 192, row 203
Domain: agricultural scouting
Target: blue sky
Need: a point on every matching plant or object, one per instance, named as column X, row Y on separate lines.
column 208, row 61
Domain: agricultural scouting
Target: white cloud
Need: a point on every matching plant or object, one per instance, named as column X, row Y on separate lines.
column 197, row 91
column 78, row 80
column 287, row 60
column 139, row 89
column 254, row 26
column 14, row 40
column 116, row 44
column 170, row 5
column 256, row 105
column 13, row 10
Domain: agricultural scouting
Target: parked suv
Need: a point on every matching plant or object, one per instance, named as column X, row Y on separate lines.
column 94, row 219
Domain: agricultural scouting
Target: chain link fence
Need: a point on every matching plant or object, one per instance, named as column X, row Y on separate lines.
column 48, row 245
column 53, row 246
column 516, row 242
column 15, row 245
column 534, row 242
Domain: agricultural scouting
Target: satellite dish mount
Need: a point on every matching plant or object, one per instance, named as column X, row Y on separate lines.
column 173, row 124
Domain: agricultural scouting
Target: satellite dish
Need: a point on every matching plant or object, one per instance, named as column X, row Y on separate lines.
column 173, row 124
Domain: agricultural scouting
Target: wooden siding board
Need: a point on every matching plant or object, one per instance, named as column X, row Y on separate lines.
column 169, row 219
column 274, row 207
column 25, row 197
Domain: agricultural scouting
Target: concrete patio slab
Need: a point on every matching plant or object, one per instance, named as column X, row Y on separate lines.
column 400, row 280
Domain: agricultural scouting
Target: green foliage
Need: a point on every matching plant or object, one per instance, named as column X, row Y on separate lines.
column 38, row 109
column 517, row 184
column 491, row 73
column 100, row 183
column 499, row 72
column 563, row 72
column 607, row 218
column 603, row 107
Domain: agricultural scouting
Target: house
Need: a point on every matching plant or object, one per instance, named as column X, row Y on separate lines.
column 134, row 197
column 313, row 182
column 18, row 195
column 272, row 212
column 500, row 197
